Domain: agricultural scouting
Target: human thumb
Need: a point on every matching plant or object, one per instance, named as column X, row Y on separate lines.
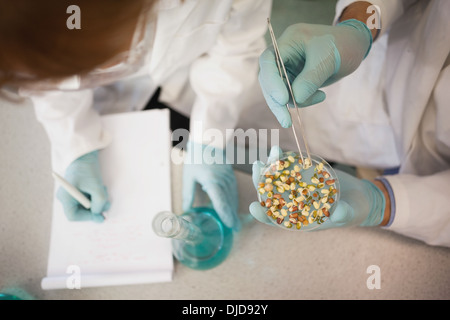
column 342, row 215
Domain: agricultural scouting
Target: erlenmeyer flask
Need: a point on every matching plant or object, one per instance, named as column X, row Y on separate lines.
column 199, row 238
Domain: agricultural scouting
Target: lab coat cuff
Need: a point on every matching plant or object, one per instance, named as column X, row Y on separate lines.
column 400, row 217
column 61, row 159
column 207, row 135
column 388, row 187
column 204, row 154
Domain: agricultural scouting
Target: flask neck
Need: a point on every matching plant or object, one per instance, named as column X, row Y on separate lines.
column 169, row 225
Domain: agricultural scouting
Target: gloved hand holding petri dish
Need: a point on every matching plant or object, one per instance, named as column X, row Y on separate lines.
column 296, row 193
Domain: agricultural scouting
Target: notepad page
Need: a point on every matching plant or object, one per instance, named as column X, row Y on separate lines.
column 123, row 249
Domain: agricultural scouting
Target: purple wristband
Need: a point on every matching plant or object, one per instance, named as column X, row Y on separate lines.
column 388, row 187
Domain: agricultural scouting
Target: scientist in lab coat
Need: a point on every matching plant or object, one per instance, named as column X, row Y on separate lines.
column 387, row 107
column 202, row 53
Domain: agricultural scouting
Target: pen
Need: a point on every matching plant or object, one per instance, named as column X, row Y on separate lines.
column 74, row 192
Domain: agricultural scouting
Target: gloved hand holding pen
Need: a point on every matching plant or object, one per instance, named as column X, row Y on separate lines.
column 84, row 174
column 362, row 203
column 314, row 56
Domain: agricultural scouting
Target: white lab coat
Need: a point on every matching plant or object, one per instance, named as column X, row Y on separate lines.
column 204, row 56
column 394, row 111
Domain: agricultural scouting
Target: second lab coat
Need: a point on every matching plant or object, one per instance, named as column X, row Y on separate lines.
column 393, row 111
column 204, row 57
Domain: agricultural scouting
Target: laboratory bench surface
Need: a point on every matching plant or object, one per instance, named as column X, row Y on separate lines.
column 265, row 262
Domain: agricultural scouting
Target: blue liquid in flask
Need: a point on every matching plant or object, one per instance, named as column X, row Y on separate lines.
column 200, row 240
column 6, row 296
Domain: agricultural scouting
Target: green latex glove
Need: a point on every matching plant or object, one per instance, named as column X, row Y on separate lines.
column 314, row 56
column 361, row 203
column 216, row 179
column 84, row 174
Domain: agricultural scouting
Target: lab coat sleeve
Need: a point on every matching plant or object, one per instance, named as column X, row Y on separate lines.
column 389, row 10
column 421, row 207
column 421, row 190
column 225, row 79
column 72, row 125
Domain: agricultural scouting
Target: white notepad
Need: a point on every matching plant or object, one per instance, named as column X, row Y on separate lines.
column 123, row 249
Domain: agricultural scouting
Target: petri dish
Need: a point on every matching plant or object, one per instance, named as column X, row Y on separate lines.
column 297, row 195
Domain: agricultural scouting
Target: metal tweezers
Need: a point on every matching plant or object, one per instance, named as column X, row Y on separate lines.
column 283, row 75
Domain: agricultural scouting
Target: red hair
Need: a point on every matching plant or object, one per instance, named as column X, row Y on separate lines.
column 36, row 41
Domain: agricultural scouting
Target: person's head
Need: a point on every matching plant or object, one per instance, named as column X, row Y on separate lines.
column 38, row 45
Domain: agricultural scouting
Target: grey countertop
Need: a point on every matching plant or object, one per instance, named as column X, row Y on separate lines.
column 265, row 263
